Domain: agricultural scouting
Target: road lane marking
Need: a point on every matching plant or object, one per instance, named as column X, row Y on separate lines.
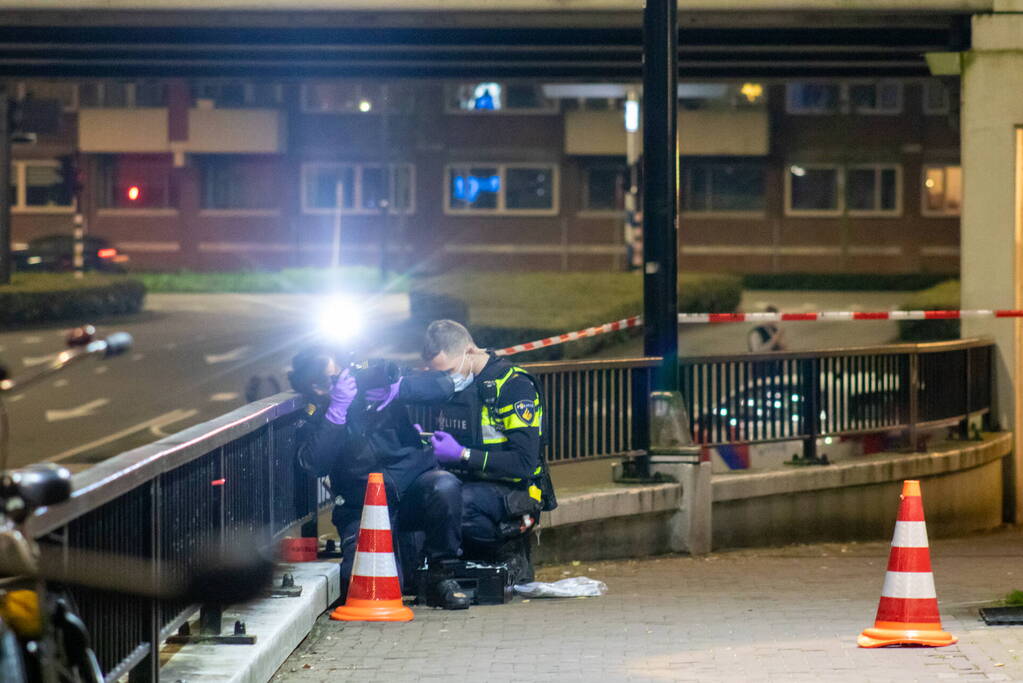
column 232, row 355
column 84, row 410
column 31, row 340
column 16, row 397
column 159, row 421
column 138, row 356
column 171, row 346
column 225, row 396
column 60, row 383
column 29, row 361
column 100, row 369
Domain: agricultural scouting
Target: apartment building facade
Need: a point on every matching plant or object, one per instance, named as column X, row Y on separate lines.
column 841, row 176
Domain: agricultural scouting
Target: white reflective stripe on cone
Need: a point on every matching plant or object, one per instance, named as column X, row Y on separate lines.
column 910, row 535
column 375, row 517
column 374, row 564
column 908, row 585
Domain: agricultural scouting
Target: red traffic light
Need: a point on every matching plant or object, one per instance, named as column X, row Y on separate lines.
column 134, row 192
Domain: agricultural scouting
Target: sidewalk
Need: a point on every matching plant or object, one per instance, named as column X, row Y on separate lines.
column 782, row 614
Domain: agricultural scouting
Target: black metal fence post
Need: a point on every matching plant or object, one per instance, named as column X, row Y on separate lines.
column 964, row 426
column 811, row 417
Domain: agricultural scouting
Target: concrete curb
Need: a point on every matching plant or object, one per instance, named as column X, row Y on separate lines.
column 279, row 625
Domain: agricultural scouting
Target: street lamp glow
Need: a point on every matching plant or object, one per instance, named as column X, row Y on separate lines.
column 631, row 116
column 340, row 319
column 798, row 171
column 365, row 106
column 134, row 192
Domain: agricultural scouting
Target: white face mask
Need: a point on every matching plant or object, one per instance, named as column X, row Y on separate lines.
column 462, row 381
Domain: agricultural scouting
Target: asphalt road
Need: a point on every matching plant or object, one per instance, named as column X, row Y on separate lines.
column 192, row 359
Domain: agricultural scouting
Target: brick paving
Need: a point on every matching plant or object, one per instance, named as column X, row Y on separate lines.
column 782, row 614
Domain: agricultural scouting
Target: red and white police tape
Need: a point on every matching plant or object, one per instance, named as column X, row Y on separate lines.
column 763, row 317
column 634, row 321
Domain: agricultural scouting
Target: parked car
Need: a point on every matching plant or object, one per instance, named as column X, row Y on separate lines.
column 55, row 253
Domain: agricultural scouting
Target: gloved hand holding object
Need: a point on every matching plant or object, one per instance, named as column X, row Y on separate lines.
column 446, row 448
column 383, row 395
column 342, row 394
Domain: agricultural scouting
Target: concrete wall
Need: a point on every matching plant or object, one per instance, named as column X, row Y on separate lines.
column 992, row 247
column 954, row 504
column 858, row 500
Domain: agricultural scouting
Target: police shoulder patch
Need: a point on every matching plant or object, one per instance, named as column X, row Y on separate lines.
column 525, row 410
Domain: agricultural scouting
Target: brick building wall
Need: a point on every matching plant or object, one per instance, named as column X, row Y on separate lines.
column 229, row 199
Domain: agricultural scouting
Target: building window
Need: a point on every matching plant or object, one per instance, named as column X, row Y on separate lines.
column 873, row 190
column 238, row 182
column 882, row 97
column 237, row 94
column 942, row 191
column 502, row 189
column 813, row 98
column 813, row 190
column 936, row 98
column 37, row 186
column 64, row 92
column 354, row 97
column 605, row 186
column 834, row 190
column 492, row 96
column 121, row 94
column 133, row 182
column 365, row 188
column 722, row 187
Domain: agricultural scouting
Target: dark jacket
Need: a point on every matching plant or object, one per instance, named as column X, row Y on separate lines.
column 371, row 441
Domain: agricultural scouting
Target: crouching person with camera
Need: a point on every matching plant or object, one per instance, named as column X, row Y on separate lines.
column 352, row 427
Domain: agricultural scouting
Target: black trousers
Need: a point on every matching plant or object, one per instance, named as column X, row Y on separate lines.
column 426, row 521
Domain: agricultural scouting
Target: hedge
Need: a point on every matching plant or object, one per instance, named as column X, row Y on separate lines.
column 844, row 282
column 285, row 281
column 504, row 308
column 941, row 297
column 46, row 297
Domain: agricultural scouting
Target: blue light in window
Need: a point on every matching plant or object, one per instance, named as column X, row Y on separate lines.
column 468, row 188
column 486, row 96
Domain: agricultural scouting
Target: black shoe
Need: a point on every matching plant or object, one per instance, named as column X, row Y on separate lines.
column 515, row 556
column 447, row 594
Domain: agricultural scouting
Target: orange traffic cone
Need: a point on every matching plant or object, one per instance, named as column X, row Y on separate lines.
column 374, row 593
column 908, row 611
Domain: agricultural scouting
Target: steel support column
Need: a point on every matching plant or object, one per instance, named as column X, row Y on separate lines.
column 660, row 188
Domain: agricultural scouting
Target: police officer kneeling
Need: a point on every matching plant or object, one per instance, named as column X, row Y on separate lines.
column 354, row 426
column 490, row 434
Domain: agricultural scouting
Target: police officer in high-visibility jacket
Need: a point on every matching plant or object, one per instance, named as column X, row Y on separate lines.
column 490, row 434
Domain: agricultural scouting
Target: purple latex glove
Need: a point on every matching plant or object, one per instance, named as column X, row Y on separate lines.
column 383, row 395
column 341, row 396
column 446, row 448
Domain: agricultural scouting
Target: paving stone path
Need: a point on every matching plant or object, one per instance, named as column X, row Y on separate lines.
column 783, row 614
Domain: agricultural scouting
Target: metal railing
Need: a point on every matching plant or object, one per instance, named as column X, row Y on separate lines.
column 783, row 396
column 233, row 477
column 237, row 474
